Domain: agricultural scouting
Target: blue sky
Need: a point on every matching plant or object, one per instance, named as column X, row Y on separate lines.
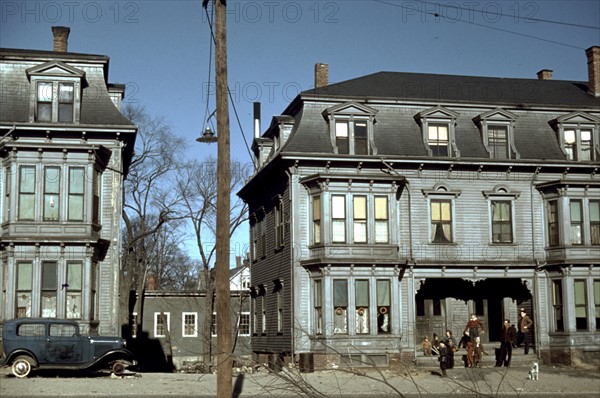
column 160, row 49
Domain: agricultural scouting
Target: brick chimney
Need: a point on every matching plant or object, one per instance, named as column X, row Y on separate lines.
column 593, row 56
column 321, row 75
column 545, row 74
column 61, row 36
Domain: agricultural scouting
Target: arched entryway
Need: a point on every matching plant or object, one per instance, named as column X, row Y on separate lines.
column 445, row 303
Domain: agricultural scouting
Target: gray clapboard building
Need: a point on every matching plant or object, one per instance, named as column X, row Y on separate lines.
column 391, row 206
column 65, row 150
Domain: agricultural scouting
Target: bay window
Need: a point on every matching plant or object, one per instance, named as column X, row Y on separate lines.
column 49, row 289
column 340, row 306
column 360, row 219
column 361, row 298
column 338, row 218
column 381, row 219
column 24, row 289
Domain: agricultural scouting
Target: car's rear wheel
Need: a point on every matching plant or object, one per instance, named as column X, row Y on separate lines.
column 21, row 366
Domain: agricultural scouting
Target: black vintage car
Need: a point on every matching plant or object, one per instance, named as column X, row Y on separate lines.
column 45, row 343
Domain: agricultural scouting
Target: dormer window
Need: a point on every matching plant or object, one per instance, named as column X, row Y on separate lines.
column 351, row 128
column 437, row 126
column 497, row 133
column 438, row 139
column 54, row 102
column 55, row 93
column 578, row 136
column 578, row 144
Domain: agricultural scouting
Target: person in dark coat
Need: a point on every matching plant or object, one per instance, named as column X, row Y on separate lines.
column 507, row 337
column 443, row 358
column 451, row 346
column 524, row 333
column 464, row 340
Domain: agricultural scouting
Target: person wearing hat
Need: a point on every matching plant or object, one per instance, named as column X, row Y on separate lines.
column 507, row 337
column 523, row 333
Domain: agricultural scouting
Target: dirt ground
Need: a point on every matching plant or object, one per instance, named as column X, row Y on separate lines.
column 488, row 382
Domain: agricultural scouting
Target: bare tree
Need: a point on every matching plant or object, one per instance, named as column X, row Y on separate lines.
column 148, row 203
column 197, row 188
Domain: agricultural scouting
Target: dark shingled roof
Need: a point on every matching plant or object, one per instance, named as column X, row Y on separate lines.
column 96, row 106
column 463, row 89
column 396, row 132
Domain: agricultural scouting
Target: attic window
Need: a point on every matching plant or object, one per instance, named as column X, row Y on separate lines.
column 437, row 127
column 351, row 128
column 55, row 93
column 497, row 133
column 578, row 136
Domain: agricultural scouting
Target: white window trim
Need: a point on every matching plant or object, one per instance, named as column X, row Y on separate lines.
column 249, row 323
column 439, row 115
column 183, row 325
column 168, row 326
column 578, row 121
column 501, row 193
column 351, row 112
column 441, row 191
column 498, row 117
column 213, row 330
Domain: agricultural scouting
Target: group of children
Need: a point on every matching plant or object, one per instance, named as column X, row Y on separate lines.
column 446, row 348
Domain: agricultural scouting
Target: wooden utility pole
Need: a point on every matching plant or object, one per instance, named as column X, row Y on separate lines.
column 224, row 354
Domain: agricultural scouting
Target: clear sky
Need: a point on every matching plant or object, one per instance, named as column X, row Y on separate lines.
column 161, row 51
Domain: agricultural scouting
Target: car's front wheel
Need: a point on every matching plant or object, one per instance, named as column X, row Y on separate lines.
column 21, row 366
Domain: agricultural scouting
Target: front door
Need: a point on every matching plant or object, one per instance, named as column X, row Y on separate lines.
column 431, row 314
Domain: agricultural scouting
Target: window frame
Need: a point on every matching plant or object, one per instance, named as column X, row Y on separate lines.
column 185, row 325
column 578, row 122
column 439, row 116
column 553, row 222
column 576, row 238
column 279, row 224
column 558, row 316
column 433, row 224
column 26, row 194
column 74, row 290
column 22, row 288
column 490, row 121
column 339, row 223
column 49, row 289
column 340, row 305
column 581, row 322
column 244, row 315
column 317, row 215
column 167, row 327
column 48, row 195
column 594, row 223
column 351, row 114
column 56, row 73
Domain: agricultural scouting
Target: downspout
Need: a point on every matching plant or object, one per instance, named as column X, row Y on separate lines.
column 412, row 307
column 536, row 315
column 291, row 284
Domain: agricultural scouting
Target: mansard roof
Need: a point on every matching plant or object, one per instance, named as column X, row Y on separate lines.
column 401, row 99
column 97, row 108
column 436, row 88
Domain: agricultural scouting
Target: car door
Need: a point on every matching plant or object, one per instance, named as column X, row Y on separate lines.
column 63, row 344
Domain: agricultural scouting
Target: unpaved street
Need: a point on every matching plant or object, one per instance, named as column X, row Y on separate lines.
column 490, row 382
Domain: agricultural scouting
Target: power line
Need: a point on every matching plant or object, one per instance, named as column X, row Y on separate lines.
column 487, row 11
column 437, row 15
column 213, row 40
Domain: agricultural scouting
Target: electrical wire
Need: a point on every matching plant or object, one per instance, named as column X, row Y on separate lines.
column 214, row 41
column 437, row 15
column 514, row 16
